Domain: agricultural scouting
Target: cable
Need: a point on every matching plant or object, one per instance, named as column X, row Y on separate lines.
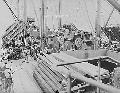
column 88, row 14
column 109, row 18
column 110, row 13
column 14, row 16
column 35, row 11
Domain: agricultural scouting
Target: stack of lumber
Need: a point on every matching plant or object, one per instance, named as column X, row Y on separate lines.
column 47, row 78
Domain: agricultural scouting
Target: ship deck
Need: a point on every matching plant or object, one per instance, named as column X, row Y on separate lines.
column 23, row 79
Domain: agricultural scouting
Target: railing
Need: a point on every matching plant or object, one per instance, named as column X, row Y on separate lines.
column 73, row 73
column 108, row 88
column 81, row 77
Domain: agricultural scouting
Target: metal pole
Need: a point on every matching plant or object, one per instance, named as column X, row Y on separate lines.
column 59, row 24
column 46, row 11
column 18, row 15
column 97, row 35
column 42, row 24
column 98, row 90
column 69, row 83
column 97, row 24
column 25, row 11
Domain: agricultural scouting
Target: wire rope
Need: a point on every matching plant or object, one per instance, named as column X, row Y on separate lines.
column 13, row 14
column 109, row 18
column 88, row 15
column 35, row 11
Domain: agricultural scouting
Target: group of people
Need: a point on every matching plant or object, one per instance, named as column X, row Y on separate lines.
column 66, row 39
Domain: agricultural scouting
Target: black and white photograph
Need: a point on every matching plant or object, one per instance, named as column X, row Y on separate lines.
column 60, row 46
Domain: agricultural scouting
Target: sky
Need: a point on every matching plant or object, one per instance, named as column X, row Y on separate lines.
column 79, row 12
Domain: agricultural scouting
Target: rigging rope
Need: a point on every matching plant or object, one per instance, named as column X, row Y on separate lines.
column 88, row 14
column 109, row 17
column 14, row 16
column 35, row 11
column 110, row 14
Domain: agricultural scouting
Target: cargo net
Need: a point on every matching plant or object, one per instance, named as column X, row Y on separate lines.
column 116, row 77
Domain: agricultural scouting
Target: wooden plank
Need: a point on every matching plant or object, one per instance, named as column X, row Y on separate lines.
column 15, row 30
column 10, row 29
column 51, row 63
column 42, row 83
column 81, row 67
column 50, row 75
column 90, row 69
column 48, row 80
column 46, row 62
column 65, row 57
column 82, row 60
column 64, row 68
column 80, row 54
column 18, row 31
column 53, row 74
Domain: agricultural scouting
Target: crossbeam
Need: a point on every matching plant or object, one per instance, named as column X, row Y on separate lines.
column 84, row 60
column 108, row 88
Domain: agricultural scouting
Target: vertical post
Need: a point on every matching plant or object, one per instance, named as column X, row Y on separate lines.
column 42, row 24
column 97, row 24
column 25, row 10
column 97, row 35
column 25, row 17
column 69, row 83
column 18, row 15
column 99, row 78
column 59, row 23
column 46, row 8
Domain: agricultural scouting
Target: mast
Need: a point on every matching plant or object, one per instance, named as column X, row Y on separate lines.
column 97, row 36
column 97, row 25
column 46, row 11
column 25, row 11
column 42, row 23
column 59, row 23
column 18, row 13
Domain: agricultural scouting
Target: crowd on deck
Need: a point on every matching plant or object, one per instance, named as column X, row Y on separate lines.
column 30, row 44
column 66, row 38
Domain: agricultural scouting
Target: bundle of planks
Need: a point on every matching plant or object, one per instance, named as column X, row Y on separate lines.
column 47, row 78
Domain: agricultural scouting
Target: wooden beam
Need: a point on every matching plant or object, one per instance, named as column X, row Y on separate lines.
column 42, row 83
column 108, row 88
column 25, row 11
column 69, row 83
column 84, row 60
